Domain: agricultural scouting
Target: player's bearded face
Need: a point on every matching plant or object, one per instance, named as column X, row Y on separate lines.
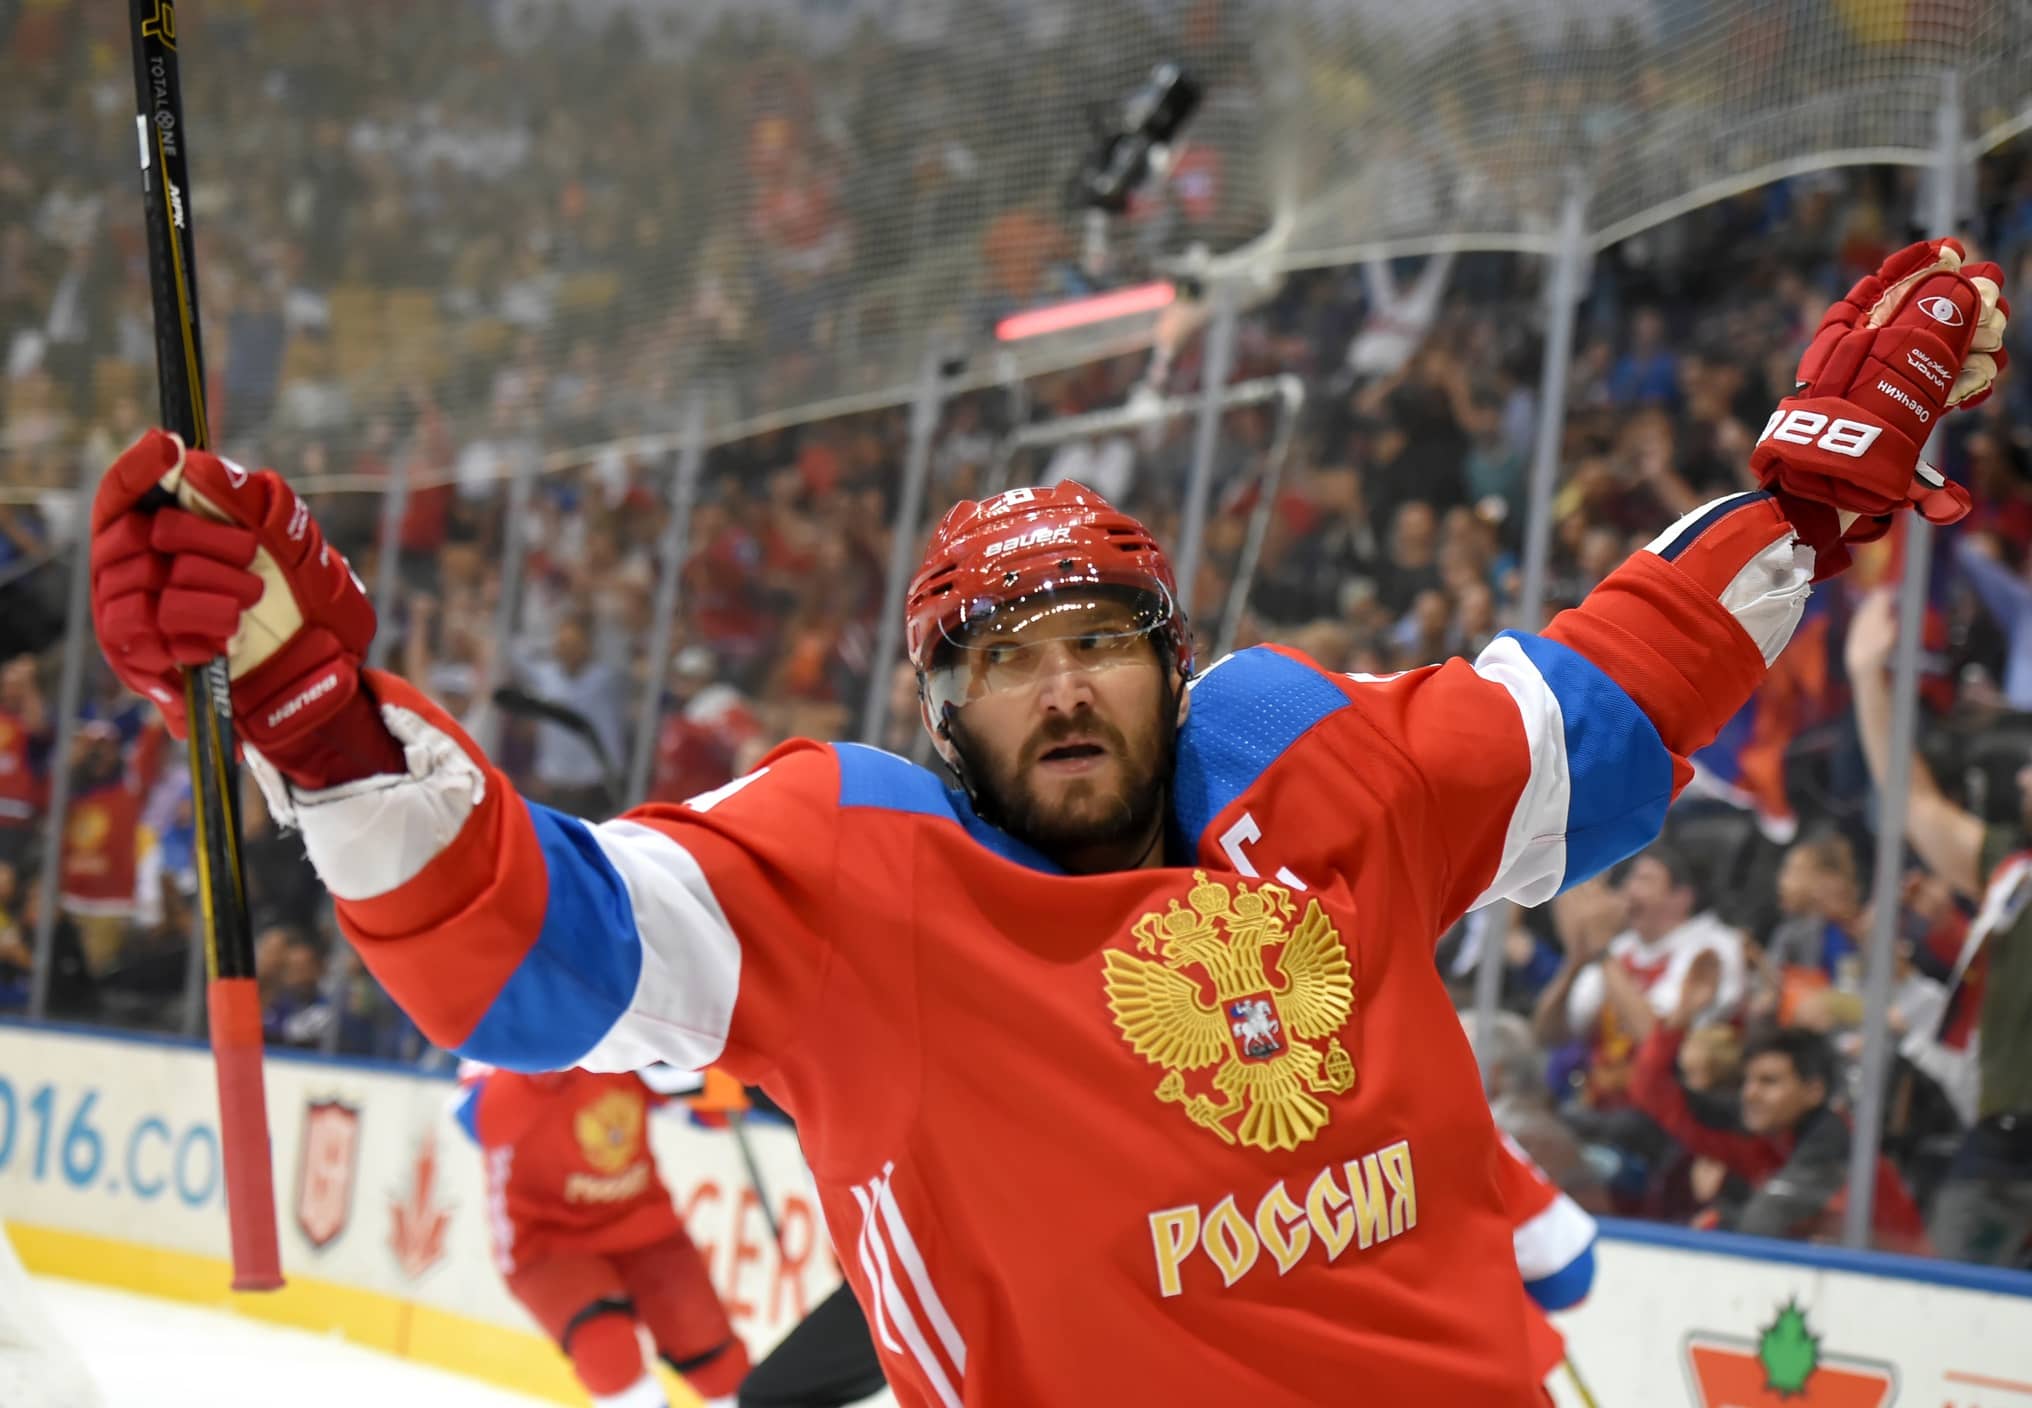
column 1071, row 748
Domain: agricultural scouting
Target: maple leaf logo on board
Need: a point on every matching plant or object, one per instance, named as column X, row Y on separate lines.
column 417, row 1225
column 1784, row 1367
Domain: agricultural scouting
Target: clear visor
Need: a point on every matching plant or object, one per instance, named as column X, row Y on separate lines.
column 1014, row 645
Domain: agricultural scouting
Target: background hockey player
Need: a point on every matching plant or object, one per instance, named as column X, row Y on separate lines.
column 585, row 1233
column 1124, row 1070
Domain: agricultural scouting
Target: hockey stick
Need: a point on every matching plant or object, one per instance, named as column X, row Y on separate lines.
column 233, row 999
column 1579, row 1384
column 737, row 1122
column 521, row 704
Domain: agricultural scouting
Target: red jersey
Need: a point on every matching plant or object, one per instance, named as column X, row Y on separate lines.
column 569, row 1167
column 23, row 789
column 1164, row 1135
column 101, row 846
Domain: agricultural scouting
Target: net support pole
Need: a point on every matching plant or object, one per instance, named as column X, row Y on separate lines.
column 514, row 537
column 1268, row 485
column 388, row 564
column 1218, row 362
column 1866, row 1129
column 1563, row 294
column 78, row 638
column 924, row 413
column 663, row 615
column 193, row 1024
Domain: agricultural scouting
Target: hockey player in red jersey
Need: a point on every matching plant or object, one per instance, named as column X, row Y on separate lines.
column 1123, row 1068
column 584, row 1231
column 1554, row 1239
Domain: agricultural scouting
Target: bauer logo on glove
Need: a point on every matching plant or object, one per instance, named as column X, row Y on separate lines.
column 194, row 558
column 1920, row 337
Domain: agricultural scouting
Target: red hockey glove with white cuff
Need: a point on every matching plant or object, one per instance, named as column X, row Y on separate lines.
column 1921, row 336
column 224, row 562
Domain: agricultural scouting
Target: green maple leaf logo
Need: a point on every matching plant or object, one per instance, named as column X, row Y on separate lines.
column 1789, row 1352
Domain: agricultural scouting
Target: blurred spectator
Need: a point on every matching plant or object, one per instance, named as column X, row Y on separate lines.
column 72, row 993
column 1819, row 896
column 1781, row 1136
column 1983, row 1212
column 1647, row 373
column 2007, row 596
column 1530, row 959
column 1521, row 1102
column 290, row 968
column 100, row 840
column 573, row 772
column 1629, row 950
column 705, row 724
column 24, row 747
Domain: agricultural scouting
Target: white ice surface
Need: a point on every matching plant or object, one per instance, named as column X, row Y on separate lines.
column 159, row 1354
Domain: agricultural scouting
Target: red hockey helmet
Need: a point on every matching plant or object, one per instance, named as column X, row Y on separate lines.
column 1029, row 544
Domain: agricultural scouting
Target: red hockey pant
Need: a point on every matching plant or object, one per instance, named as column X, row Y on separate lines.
column 590, row 1304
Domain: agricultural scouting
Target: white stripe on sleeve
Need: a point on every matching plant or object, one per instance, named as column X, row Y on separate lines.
column 691, row 961
column 1534, row 846
column 1553, row 1240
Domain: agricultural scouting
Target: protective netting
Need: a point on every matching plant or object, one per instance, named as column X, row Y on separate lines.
column 514, row 229
column 1460, row 122
column 525, row 226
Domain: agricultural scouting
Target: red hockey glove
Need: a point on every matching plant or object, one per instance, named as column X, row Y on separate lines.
column 236, row 568
column 1921, row 336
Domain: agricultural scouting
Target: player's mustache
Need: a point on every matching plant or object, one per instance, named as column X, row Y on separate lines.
column 1064, row 729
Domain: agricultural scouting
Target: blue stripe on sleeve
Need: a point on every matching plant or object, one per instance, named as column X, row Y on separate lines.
column 1567, row 1286
column 1620, row 771
column 580, row 976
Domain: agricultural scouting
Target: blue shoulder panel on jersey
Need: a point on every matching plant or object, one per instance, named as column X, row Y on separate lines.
column 1619, row 771
column 870, row 777
column 466, row 1111
column 580, row 975
column 1246, row 711
column 1568, row 1286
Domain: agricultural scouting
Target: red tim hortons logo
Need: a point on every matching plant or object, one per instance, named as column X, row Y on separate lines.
column 417, row 1223
column 328, row 1156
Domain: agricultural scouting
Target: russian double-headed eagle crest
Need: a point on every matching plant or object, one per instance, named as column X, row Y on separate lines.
column 1263, row 997
column 609, row 1130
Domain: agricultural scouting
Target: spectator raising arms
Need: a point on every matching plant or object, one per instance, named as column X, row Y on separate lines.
column 1782, row 1136
column 1983, row 1211
column 1611, row 990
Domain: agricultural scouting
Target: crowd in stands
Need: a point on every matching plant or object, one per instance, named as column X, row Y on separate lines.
column 1680, row 1039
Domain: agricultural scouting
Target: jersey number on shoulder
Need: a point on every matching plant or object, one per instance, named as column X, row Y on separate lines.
column 1245, row 832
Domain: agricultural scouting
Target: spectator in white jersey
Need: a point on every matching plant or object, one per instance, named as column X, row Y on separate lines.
column 1628, row 953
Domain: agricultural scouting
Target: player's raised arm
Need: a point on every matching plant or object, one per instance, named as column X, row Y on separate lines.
column 510, row 932
column 1575, row 769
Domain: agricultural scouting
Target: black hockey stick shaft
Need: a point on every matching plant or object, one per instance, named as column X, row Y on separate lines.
column 234, row 1005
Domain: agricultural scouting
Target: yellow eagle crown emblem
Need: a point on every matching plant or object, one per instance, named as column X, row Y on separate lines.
column 1263, row 1024
column 609, row 1130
